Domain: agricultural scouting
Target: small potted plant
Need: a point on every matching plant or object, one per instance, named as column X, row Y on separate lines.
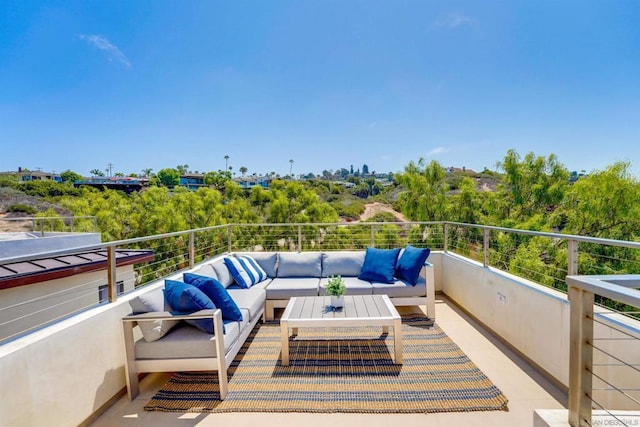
column 336, row 288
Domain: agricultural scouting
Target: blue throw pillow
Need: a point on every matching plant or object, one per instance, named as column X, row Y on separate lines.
column 187, row 299
column 217, row 293
column 245, row 270
column 379, row 265
column 410, row 263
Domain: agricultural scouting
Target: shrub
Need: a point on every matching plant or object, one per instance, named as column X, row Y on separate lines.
column 20, row 207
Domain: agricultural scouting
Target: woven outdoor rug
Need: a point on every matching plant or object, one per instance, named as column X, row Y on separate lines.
column 345, row 375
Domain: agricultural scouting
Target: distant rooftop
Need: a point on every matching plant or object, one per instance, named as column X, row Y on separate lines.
column 55, row 267
column 18, row 235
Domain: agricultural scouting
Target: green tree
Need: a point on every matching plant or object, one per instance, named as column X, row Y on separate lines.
column 465, row 205
column 70, row 176
column 96, row 172
column 243, row 170
column 530, row 185
column 425, row 191
column 147, row 172
column 182, row 169
column 217, row 179
column 169, row 177
column 602, row 204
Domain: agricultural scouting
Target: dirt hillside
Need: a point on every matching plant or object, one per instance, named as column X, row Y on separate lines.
column 371, row 209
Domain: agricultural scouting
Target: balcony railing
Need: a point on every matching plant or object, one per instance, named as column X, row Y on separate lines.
column 550, row 259
column 44, row 224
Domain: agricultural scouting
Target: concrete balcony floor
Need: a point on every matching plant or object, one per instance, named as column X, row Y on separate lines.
column 523, row 385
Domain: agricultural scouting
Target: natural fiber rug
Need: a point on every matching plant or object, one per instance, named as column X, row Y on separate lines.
column 328, row 375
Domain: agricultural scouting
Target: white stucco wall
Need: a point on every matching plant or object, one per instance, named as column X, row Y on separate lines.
column 534, row 319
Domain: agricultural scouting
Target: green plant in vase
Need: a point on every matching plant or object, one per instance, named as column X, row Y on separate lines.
column 336, row 288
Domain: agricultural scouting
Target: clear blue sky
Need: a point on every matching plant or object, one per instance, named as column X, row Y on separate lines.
column 154, row 84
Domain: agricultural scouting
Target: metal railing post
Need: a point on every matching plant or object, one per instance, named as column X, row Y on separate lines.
column 580, row 356
column 485, row 245
column 95, row 224
column 51, row 224
column 72, row 225
column 373, row 237
column 446, row 237
column 572, row 247
column 111, row 273
column 192, row 250
column 229, row 238
column 42, row 227
column 299, row 238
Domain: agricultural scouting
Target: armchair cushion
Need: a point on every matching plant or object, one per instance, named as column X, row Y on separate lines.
column 152, row 330
column 218, row 295
column 379, row 265
column 410, row 263
column 186, row 299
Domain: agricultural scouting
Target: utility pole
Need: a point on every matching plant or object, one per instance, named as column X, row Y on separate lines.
column 110, row 166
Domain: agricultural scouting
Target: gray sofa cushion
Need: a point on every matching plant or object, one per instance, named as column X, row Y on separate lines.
column 342, row 263
column 266, row 260
column 284, row 288
column 222, row 272
column 205, row 270
column 149, row 302
column 251, row 300
column 401, row 289
column 299, row 264
column 186, row 341
column 354, row 285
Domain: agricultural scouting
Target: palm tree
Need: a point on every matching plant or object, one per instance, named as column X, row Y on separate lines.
column 291, row 168
column 243, row 170
column 147, row 172
column 226, row 162
column 96, row 172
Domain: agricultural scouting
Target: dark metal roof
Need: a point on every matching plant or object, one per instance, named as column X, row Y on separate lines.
column 40, row 270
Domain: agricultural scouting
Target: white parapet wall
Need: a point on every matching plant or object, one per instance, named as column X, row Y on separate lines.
column 62, row 374
column 534, row 320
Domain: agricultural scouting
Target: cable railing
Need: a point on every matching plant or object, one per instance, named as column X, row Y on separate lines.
column 602, row 370
column 44, row 224
column 548, row 259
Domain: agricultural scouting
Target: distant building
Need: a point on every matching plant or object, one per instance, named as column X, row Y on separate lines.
column 27, row 176
column 124, row 183
column 36, row 292
column 463, row 169
column 248, row 182
column 192, row 181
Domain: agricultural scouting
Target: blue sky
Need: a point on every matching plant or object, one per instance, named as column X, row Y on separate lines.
column 154, row 84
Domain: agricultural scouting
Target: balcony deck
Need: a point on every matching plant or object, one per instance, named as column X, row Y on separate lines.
column 525, row 387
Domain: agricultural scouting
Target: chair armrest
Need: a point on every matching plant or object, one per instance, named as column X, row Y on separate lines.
column 165, row 315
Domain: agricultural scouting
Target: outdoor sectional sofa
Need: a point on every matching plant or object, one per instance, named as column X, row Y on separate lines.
column 168, row 343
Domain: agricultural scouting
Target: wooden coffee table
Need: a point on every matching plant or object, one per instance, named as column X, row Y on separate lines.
column 358, row 310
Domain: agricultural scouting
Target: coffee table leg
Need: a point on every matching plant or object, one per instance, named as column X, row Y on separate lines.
column 397, row 340
column 284, row 333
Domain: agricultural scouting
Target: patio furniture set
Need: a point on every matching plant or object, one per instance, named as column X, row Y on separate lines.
column 199, row 320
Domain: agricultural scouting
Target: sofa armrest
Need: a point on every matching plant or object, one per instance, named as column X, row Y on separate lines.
column 131, row 370
column 163, row 315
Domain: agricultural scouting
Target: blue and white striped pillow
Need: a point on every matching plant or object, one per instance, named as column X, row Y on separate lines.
column 245, row 270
